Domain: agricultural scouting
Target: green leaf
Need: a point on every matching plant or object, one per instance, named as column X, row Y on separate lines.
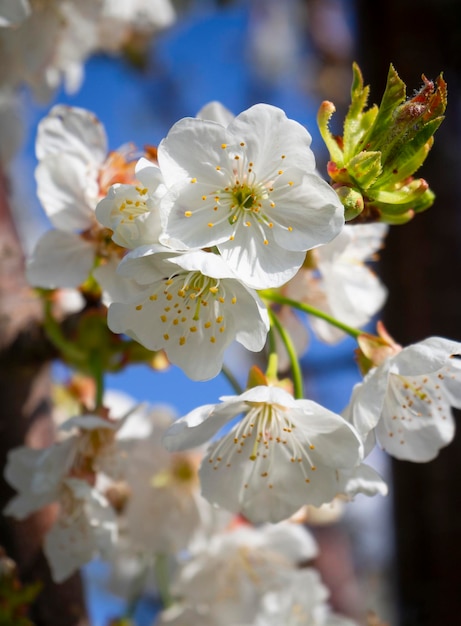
column 393, row 96
column 365, row 168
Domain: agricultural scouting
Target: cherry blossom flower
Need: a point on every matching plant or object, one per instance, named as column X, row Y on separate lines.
column 225, row 582
column 302, row 602
column 283, row 454
column 47, row 43
column 250, row 189
column 193, row 306
column 74, row 172
column 86, row 526
column 337, row 281
column 162, row 486
column 131, row 211
column 65, row 473
column 121, row 20
column 406, row 399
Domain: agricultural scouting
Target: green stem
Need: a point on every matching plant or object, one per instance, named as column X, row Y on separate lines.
column 311, row 310
column 234, row 383
column 54, row 333
column 163, row 579
column 294, row 362
column 98, row 375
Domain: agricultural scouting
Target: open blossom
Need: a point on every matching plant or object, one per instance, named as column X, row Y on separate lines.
column 47, row 43
column 164, row 509
column 249, row 188
column 338, row 282
column 302, row 602
column 406, row 400
column 73, row 173
column 65, row 473
column 193, row 306
column 86, row 526
column 283, row 454
column 226, row 580
column 131, row 211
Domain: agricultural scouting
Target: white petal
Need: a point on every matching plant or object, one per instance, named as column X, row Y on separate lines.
column 68, row 191
column 71, row 129
column 216, row 112
column 60, row 259
column 425, row 356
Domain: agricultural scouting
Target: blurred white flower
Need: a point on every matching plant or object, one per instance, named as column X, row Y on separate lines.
column 226, row 581
column 86, row 526
column 339, row 282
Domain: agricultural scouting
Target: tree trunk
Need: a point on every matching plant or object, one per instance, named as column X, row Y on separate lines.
column 421, row 265
column 25, row 418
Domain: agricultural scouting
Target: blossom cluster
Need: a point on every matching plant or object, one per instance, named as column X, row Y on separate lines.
column 225, row 232
column 75, row 29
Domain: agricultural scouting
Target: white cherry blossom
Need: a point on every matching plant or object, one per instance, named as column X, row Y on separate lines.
column 283, row 454
column 193, row 306
column 225, row 582
column 45, row 44
column 302, row 602
column 339, row 282
column 73, row 173
column 249, row 188
column 407, row 399
column 131, row 211
column 163, row 488
column 86, row 526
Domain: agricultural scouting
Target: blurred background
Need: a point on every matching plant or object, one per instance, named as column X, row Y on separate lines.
column 398, row 556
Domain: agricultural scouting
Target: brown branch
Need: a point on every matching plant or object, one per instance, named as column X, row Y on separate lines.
column 25, row 418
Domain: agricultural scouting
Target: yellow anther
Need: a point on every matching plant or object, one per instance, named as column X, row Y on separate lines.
column 219, row 319
column 213, row 339
column 187, row 213
column 290, row 229
column 139, row 307
column 272, row 204
column 265, row 242
column 283, row 156
column 153, row 297
column 166, row 336
column 182, row 341
column 203, row 197
column 213, row 289
column 218, row 168
column 193, row 329
column 193, row 180
column 280, row 172
column 236, row 157
column 207, row 324
column 291, row 183
column 224, row 146
column 210, row 224
column 163, row 318
column 234, row 300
